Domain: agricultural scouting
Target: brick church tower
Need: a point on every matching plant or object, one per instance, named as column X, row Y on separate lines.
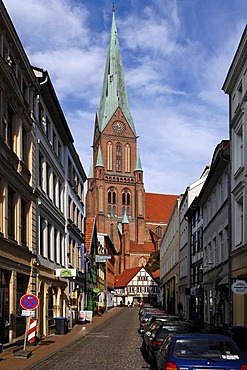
column 116, row 194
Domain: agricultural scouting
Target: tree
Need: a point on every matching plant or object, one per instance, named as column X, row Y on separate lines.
column 153, row 263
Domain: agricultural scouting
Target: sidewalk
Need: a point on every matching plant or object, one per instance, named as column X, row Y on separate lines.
column 51, row 344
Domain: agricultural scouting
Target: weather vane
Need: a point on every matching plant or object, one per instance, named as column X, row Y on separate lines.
column 113, row 7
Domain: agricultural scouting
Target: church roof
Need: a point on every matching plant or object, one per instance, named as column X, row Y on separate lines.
column 156, row 274
column 159, row 206
column 114, row 93
column 126, row 276
column 147, row 247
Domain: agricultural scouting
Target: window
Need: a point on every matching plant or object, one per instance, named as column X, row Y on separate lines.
column 48, row 128
column 127, row 158
column 55, row 244
column 238, row 148
column 11, row 214
column 24, row 146
column 112, row 207
column 48, row 173
column 41, row 114
column 54, row 141
column 23, row 222
column 126, row 202
column 239, row 93
column 7, row 122
column 239, row 221
column 40, row 173
column 118, row 157
column 109, row 156
column 41, row 235
column 49, row 241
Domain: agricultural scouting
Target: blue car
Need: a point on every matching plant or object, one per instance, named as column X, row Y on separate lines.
column 199, row 352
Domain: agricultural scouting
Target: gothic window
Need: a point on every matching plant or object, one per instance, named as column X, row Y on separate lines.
column 142, row 261
column 109, row 156
column 112, row 204
column 127, row 158
column 118, row 157
column 126, row 202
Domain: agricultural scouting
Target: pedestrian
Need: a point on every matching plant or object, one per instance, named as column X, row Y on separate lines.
column 128, row 303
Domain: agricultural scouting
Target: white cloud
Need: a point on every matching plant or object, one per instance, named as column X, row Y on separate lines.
column 175, row 56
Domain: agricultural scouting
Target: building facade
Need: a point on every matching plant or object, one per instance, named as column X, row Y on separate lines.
column 18, row 88
column 235, row 85
column 169, row 263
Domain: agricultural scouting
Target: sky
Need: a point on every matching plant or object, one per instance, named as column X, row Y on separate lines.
column 176, row 55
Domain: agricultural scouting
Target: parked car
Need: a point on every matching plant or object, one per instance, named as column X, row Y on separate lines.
column 158, row 316
column 162, row 332
column 145, row 309
column 144, row 318
column 200, row 351
column 149, row 335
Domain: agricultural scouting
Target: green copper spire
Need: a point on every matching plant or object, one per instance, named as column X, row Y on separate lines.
column 138, row 166
column 99, row 162
column 125, row 218
column 114, row 93
column 90, row 174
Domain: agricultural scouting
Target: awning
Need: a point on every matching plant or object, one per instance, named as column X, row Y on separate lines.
column 224, row 281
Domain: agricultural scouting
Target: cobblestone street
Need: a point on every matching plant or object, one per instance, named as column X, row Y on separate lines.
column 113, row 345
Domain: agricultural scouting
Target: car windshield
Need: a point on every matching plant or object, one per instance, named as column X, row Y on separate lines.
column 205, row 348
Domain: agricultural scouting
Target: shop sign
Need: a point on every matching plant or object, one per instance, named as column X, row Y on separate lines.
column 86, row 316
column 102, row 258
column 65, row 272
column 239, row 287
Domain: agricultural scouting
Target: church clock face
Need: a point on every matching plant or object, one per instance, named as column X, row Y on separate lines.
column 118, row 126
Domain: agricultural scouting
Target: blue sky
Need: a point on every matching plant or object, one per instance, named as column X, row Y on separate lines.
column 176, row 54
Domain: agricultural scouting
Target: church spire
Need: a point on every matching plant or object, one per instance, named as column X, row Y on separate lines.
column 99, row 162
column 114, row 93
column 138, row 166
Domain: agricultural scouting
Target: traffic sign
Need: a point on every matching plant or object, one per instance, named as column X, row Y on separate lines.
column 29, row 301
column 28, row 313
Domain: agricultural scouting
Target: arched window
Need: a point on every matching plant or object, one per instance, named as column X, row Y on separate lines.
column 109, row 156
column 112, row 202
column 126, row 206
column 127, row 158
column 118, row 157
column 142, row 261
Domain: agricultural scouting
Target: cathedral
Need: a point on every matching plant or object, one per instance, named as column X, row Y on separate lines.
column 134, row 220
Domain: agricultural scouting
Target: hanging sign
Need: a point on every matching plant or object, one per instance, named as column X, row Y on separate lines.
column 239, row 287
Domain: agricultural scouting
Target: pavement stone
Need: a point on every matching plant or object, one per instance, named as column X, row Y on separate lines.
column 50, row 344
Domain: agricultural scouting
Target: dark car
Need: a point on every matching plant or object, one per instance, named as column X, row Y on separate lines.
column 144, row 318
column 149, row 335
column 163, row 331
column 200, row 351
column 161, row 317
